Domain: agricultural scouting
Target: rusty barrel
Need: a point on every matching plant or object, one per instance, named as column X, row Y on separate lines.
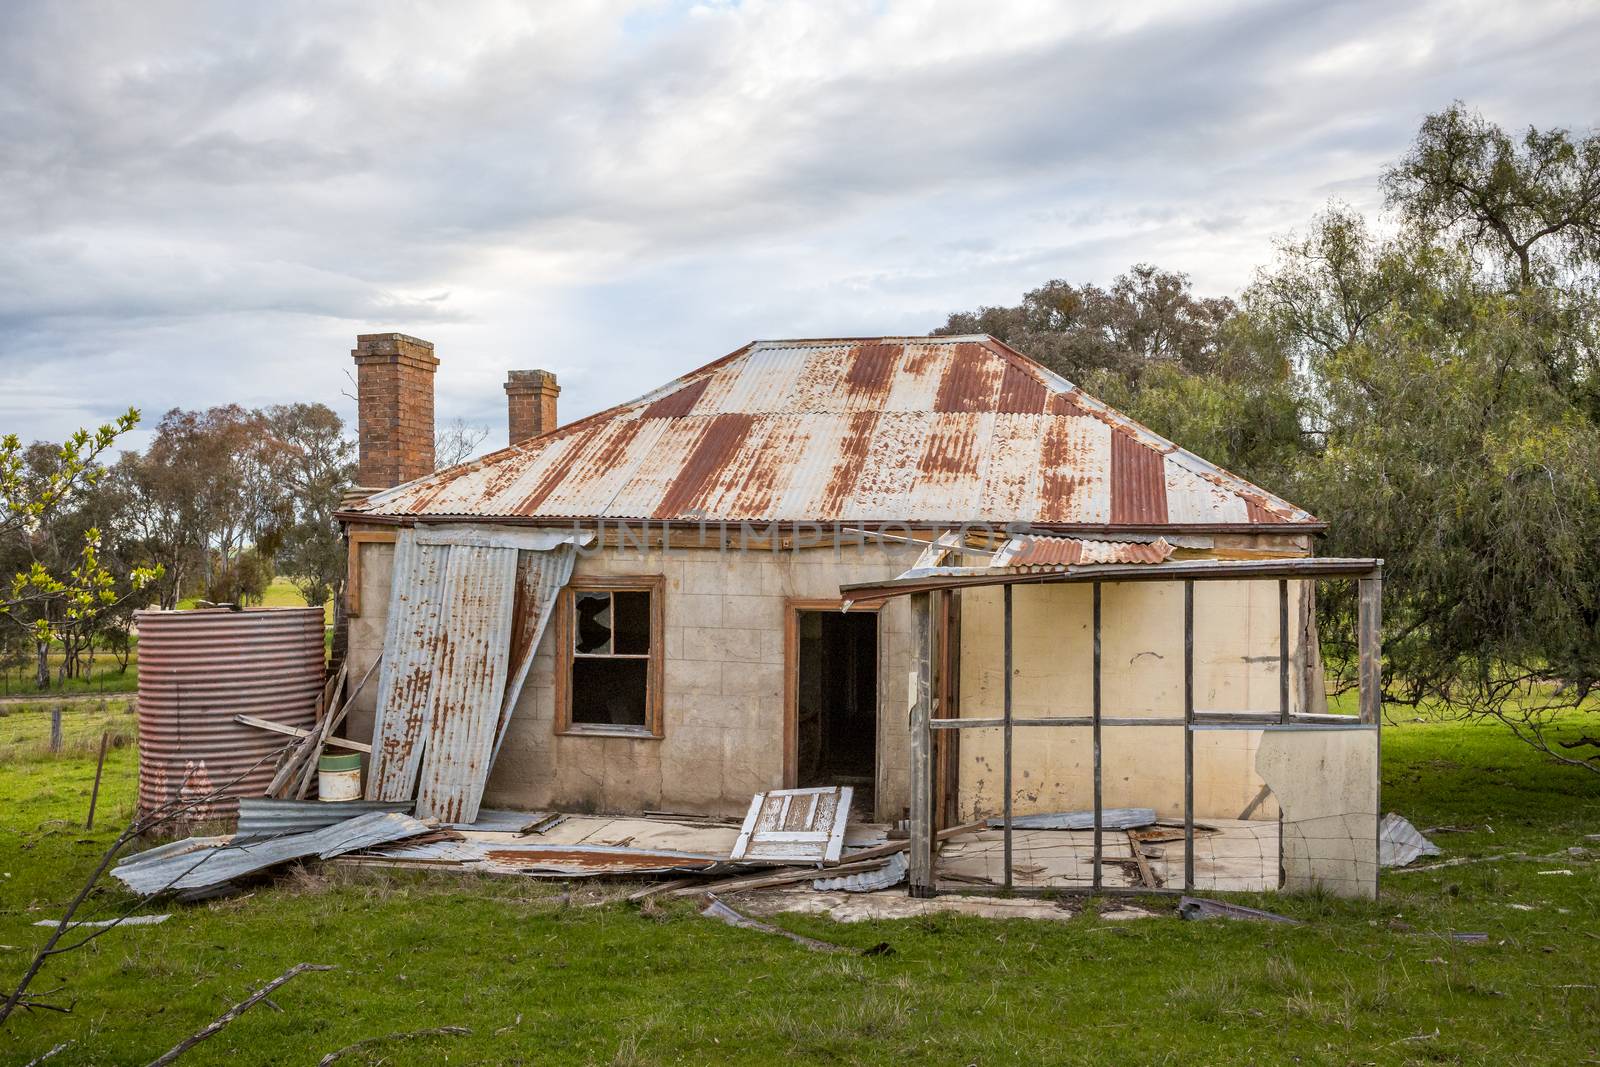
column 197, row 670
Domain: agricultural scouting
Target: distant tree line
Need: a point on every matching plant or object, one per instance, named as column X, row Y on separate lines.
column 220, row 503
column 1430, row 389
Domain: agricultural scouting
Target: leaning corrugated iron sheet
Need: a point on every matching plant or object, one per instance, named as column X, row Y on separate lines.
column 448, row 682
column 918, row 429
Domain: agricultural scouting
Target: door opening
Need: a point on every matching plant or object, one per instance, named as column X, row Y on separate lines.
column 836, row 701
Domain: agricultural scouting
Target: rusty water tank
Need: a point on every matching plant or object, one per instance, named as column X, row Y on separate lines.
column 197, row 670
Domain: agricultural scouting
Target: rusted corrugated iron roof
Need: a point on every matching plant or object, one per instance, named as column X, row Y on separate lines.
column 1036, row 553
column 895, row 429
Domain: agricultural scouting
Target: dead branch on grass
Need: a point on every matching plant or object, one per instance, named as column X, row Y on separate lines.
column 234, row 1012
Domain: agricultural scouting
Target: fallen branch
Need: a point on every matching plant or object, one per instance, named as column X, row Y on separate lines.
column 1521, row 857
column 716, row 909
column 410, row 1035
column 46, row 1055
column 234, row 1012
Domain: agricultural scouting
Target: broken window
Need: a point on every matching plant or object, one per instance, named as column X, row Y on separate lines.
column 610, row 644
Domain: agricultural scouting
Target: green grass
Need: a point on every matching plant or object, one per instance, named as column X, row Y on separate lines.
column 541, row 981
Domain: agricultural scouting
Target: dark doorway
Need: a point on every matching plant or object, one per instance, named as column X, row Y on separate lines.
column 836, row 701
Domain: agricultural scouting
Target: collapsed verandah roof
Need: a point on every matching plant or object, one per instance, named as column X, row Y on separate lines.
column 919, row 430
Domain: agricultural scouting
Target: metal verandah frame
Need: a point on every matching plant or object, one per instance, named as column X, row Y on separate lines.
column 922, row 882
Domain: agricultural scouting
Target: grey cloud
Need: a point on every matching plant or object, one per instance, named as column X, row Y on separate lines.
column 624, row 192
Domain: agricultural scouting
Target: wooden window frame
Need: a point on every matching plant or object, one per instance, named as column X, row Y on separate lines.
column 792, row 607
column 655, row 585
column 352, row 571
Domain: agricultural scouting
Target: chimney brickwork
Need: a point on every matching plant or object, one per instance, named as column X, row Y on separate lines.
column 530, row 403
column 394, row 380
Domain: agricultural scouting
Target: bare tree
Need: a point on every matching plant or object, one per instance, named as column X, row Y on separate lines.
column 458, row 442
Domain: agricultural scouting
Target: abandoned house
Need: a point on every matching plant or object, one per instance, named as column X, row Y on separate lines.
column 877, row 562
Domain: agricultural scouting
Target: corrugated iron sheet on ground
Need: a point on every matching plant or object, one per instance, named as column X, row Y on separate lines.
column 894, row 429
column 271, row 817
column 1400, row 843
column 201, row 862
column 890, row 874
column 1110, row 819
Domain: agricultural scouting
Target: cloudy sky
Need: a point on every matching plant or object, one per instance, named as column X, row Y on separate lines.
column 205, row 203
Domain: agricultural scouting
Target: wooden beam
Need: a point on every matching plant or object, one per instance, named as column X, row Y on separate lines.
column 1099, row 846
column 921, row 693
column 1283, row 649
column 1188, row 734
column 1369, row 625
column 1006, row 882
column 295, row 731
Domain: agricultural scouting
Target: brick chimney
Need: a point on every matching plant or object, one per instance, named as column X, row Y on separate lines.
column 394, row 383
column 530, row 403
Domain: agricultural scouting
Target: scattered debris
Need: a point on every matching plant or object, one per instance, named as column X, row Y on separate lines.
column 892, row 904
column 716, row 909
column 1400, row 843
column 1199, row 908
column 410, row 1035
column 795, row 826
column 1469, row 938
column 890, row 874
column 234, row 1012
column 1110, row 819
column 1561, row 871
column 128, row 920
column 199, row 863
column 1522, row 907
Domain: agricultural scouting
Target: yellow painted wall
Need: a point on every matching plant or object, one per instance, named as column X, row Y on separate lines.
column 1236, row 669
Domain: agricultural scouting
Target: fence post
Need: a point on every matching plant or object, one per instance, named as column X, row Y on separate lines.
column 55, row 729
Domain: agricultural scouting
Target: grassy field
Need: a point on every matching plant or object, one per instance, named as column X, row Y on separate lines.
column 539, row 979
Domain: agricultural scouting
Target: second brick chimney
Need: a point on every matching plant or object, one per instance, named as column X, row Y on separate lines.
column 394, row 383
column 530, row 403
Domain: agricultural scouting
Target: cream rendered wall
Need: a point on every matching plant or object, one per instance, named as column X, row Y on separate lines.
column 365, row 641
column 723, row 728
column 1236, row 669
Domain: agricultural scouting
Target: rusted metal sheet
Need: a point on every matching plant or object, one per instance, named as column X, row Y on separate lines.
column 197, row 670
column 1029, row 553
column 895, row 429
column 412, row 635
column 468, row 609
column 794, row 826
column 469, row 669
